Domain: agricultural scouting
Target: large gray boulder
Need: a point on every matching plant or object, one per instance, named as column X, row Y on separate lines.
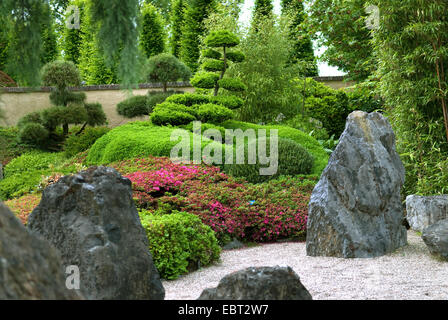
column 355, row 209
column 424, row 211
column 262, row 283
column 30, row 268
column 91, row 218
column 436, row 238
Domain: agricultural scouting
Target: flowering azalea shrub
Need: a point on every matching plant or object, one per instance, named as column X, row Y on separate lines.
column 232, row 207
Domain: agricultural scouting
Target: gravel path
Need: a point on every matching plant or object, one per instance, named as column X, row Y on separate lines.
column 409, row 273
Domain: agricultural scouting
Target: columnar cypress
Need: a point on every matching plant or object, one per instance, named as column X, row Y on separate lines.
column 195, row 14
column 303, row 47
column 177, row 21
column 152, row 36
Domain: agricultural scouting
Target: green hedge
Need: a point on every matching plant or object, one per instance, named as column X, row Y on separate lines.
column 132, row 107
column 293, row 160
column 136, row 139
column 179, row 242
column 78, row 143
column 213, row 113
column 310, row 144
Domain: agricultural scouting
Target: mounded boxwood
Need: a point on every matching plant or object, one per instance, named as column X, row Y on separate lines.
column 213, row 113
column 293, row 160
column 136, row 139
column 204, row 80
column 132, row 107
column 212, row 54
column 236, row 56
column 79, row 143
column 179, row 242
column 231, row 102
column 309, row 143
column 222, row 38
column 232, row 84
column 188, row 99
column 168, row 113
column 213, row 65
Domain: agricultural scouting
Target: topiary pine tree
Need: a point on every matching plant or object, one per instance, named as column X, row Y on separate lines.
column 218, row 61
column 152, row 36
column 177, row 21
column 303, row 47
column 193, row 27
column 165, row 68
column 181, row 109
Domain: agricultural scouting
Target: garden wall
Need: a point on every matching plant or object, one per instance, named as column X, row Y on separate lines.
column 17, row 102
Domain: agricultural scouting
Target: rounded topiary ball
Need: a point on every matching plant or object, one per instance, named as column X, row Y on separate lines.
column 221, row 38
column 293, row 159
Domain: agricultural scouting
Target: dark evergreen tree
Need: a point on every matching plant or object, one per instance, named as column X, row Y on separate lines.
column 196, row 12
column 177, row 21
column 152, row 37
column 49, row 38
column 73, row 37
column 263, row 7
column 303, row 47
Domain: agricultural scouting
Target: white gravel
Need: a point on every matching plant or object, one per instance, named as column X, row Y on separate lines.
column 407, row 274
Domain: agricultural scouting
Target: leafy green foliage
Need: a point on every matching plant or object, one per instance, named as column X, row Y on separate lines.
column 263, row 8
column 267, row 73
column 213, row 113
column 132, row 107
column 177, row 21
column 196, row 13
column 33, row 134
column 79, row 143
column 204, row 80
column 232, row 84
column 179, row 242
column 72, row 38
column 309, row 143
column 231, row 102
column 340, row 26
column 236, row 56
column 117, row 36
column 170, row 114
column 156, row 97
column 60, row 74
column 411, row 45
column 134, row 140
column 213, row 65
column 303, row 51
column 221, row 38
column 212, row 54
column 30, row 161
column 152, row 36
column 166, row 68
column 188, row 99
column 293, row 160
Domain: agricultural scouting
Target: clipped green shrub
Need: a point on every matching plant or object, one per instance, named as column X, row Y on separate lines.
column 309, row 143
column 132, row 107
column 204, row 80
column 188, row 99
column 136, row 139
column 236, row 56
column 155, row 97
column 231, row 102
column 171, row 117
column 293, row 160
column 179, row 242
column 33, row 117
column 232, row 84
column 222, row 38
column 79, row 143
column 213, row 65
column 211, row 54
column 213, row 113
column 32, row 161
column 95, row 114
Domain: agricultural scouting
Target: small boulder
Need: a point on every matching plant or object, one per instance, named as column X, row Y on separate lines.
column 355, row 209
column 91, row 218
column 30, row 268
column 424, row 211
column 436, row 238
column 262, row 283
